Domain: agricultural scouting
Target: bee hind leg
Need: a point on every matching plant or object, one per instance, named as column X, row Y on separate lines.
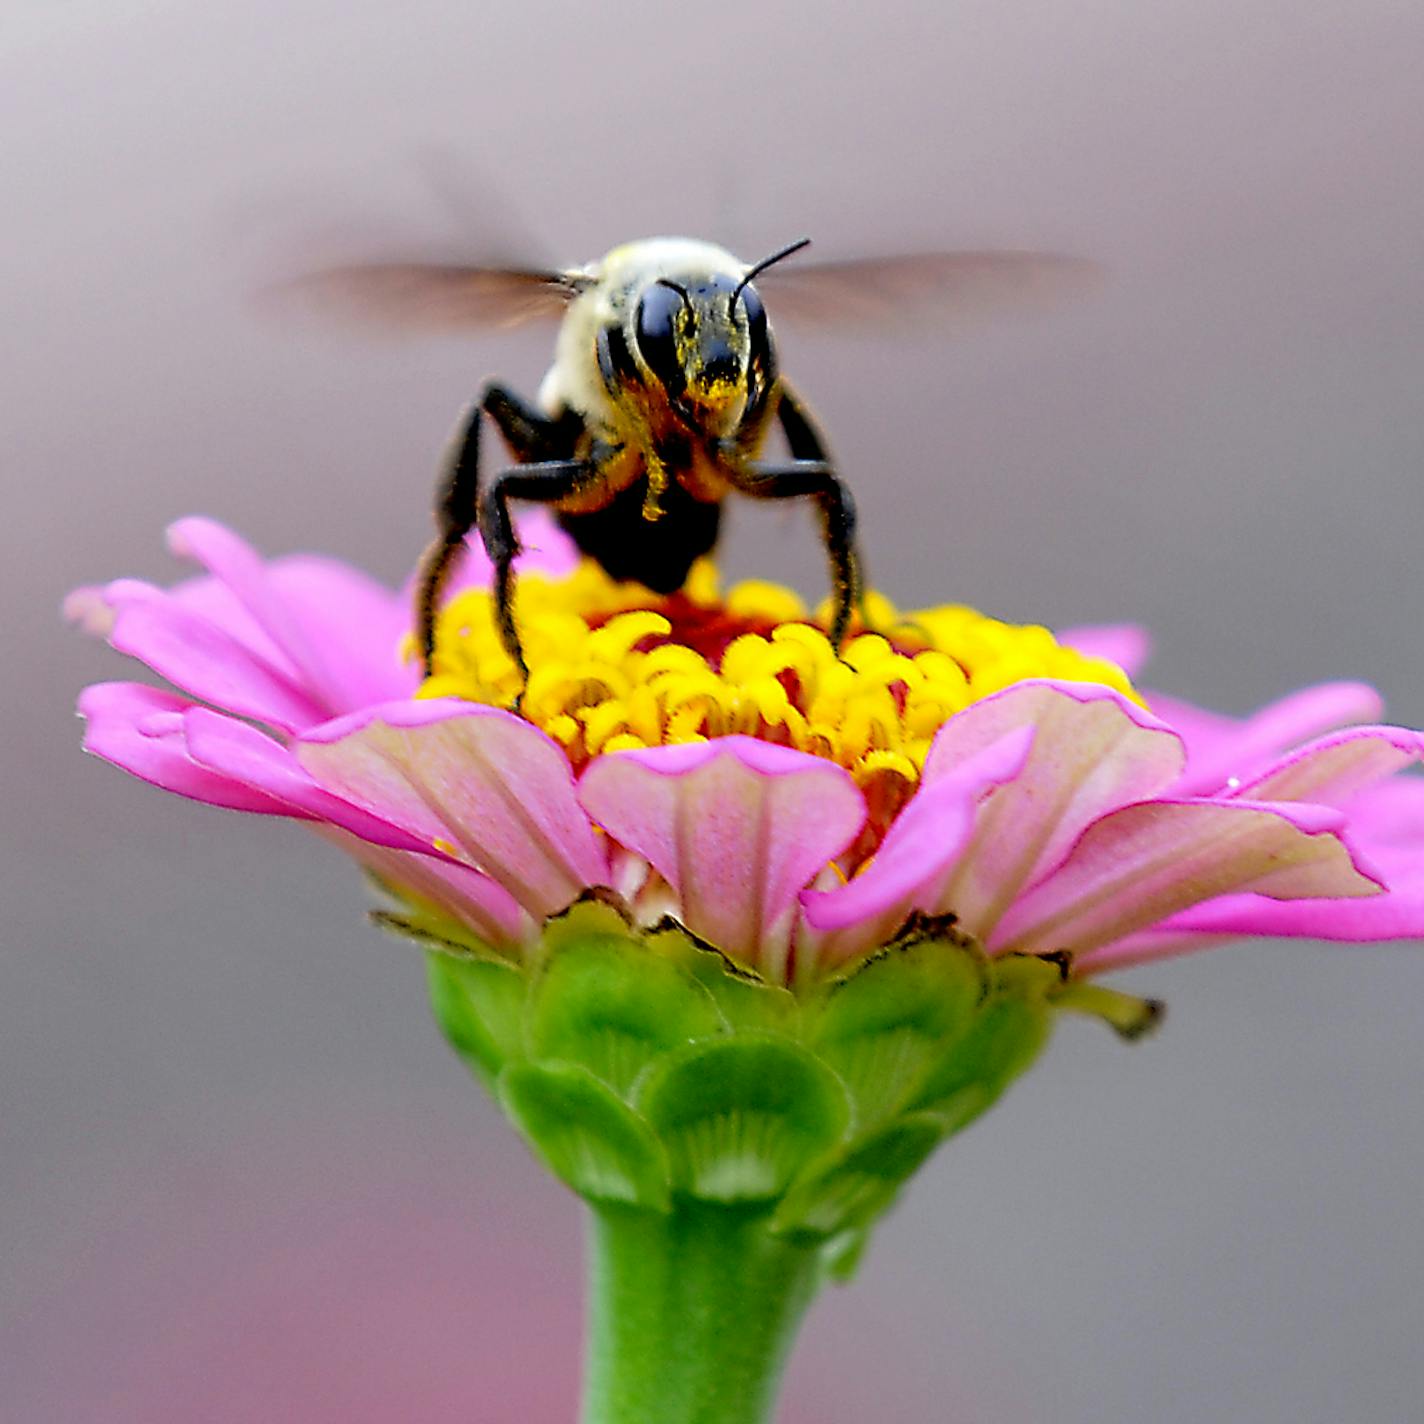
column 530, row 435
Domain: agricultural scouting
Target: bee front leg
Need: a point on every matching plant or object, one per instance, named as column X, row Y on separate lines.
column 546, row 482
column 803, row 438
column 815, row 479
column 811, row 474
column 530, row 435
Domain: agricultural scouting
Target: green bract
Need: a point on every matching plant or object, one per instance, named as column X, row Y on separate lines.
column 649, row 1072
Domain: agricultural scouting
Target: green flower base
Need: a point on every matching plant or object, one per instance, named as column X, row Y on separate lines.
column 736, row 1142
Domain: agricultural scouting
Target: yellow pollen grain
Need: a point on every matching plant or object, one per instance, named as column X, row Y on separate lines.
column 613, row 666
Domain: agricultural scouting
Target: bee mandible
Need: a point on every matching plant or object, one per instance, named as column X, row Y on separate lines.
column 663, row 391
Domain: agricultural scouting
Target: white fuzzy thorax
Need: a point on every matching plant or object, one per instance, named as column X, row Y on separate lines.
column 574, row 382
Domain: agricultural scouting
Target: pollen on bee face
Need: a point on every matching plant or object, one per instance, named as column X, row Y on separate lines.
column 613, row 665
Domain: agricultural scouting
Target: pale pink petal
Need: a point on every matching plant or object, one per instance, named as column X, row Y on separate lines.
column 1093, row 750
column 456, row 891
column 915, row 862
column 1386, row 828
column 734, row 825
column 141, row 730
column 1222, row 750
column 239, row 751
column 1142, row 864
column 476, row 777
column 1159, row 943
column 91, row 607
column 196, row 752
column 1126, row 644
column 1334, row 768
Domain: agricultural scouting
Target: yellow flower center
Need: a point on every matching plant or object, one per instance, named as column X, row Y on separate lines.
column 613, row 666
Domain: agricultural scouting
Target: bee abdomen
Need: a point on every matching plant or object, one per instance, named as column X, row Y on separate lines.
column 656, row 553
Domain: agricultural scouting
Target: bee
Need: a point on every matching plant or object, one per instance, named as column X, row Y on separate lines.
column 664, row 389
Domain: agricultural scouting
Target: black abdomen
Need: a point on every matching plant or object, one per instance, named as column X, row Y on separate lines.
column 658, row 552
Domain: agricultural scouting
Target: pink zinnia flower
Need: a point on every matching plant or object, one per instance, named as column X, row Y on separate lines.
column 712, row 759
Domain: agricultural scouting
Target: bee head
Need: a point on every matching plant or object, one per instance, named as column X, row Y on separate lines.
column 701, row 339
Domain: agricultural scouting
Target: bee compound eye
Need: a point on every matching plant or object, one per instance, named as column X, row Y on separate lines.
column 657, row 335
column 756, row 313
column 756, row 321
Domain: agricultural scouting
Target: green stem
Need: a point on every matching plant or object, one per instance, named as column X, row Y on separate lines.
column 691, row 1315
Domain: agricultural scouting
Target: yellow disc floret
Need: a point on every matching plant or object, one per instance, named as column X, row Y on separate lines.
column 612, row 666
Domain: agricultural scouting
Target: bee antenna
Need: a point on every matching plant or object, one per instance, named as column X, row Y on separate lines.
column 679, row 289
column 771, row 261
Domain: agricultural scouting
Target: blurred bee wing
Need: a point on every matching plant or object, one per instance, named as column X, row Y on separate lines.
column 928, row 289
column 430, row 297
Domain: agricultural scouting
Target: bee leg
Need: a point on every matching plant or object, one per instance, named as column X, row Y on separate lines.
column 811, row 474
column 454, row 517
column 544, row 482
column 531, row 435
column 804, row 440
column 817, row 480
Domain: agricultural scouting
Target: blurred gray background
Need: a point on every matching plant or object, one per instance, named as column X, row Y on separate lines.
column 241, row 1179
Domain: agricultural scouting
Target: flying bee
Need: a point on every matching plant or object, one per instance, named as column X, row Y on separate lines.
column 661, row 397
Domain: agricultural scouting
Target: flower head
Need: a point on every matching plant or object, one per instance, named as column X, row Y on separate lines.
column 713, row 759
column 737, row 926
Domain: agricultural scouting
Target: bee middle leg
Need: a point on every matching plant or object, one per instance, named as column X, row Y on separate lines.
column 531, row 436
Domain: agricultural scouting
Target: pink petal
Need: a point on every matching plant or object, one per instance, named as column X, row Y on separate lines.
column 1092, row 751
column 1220, row 749
column 212, row 665
column 546, row 549
column 214, row 601
column 1390, row 815
column 239, row 567
column 1125, row 644
column 915, row 861
column 94, row 608
column 1332, row 769
column 1397, row 914
column 477, row 777
column 141, row 730
column 290, row 643
column 357, row 622
column 734, row 825
column 193, row 653
column 337, row 627
column 1141, row 864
